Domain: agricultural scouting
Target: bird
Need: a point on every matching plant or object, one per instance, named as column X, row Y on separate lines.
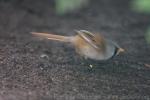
column 87, row 44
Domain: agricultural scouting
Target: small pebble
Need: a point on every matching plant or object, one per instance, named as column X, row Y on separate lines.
column 44, row 56
column 91, row 66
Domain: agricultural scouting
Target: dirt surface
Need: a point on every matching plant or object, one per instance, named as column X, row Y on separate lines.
column 32, row 69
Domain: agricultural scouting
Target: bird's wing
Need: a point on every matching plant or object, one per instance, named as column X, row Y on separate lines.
column 95, row 40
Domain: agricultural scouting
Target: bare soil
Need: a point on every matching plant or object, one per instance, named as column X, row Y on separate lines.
column 32, row 69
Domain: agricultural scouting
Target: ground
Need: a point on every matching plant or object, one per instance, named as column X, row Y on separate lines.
column 32, row 69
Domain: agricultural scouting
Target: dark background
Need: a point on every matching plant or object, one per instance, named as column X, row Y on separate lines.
column 31, row 69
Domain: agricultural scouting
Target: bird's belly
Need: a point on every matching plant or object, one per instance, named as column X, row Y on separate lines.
column 86, row 50
column 89, row 52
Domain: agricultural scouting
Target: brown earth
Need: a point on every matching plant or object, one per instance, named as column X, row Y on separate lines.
column 31, row 69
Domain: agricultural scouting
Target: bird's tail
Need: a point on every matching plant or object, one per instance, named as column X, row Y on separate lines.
column 52, row 37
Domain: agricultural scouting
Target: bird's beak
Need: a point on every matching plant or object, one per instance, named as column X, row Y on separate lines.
column 120, row 50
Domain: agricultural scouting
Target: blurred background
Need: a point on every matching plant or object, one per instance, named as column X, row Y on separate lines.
column 66, row 8
column 49, row 70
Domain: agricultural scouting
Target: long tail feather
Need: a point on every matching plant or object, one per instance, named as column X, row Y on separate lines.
column 52, row 37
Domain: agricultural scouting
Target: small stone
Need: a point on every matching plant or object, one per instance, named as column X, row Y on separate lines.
column 44, row 56
column 91, row 66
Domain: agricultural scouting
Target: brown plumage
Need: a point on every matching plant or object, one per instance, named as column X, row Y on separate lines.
column 52, row 36
column 87, row 44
